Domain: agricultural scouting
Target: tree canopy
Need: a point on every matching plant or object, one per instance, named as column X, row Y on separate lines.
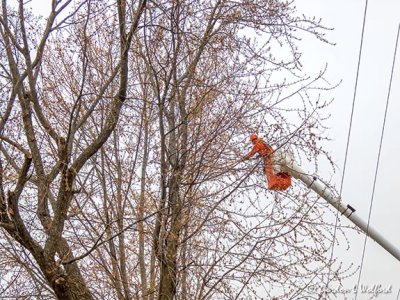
column 121, row 132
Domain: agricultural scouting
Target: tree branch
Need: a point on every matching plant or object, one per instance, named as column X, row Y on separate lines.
column 100, row 242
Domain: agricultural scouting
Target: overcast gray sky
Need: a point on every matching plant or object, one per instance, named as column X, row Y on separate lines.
column 382, row 20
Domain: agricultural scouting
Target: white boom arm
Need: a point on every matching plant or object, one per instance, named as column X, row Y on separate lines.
column 346, row 210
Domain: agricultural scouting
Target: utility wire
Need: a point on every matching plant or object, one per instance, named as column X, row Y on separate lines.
column 378, row 159
column 348, row 136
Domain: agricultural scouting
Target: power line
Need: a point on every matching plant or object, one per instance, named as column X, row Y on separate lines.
column 378, row 158
column 348, row 135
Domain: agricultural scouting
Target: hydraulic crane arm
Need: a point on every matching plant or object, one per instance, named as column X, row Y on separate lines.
column 346, row 210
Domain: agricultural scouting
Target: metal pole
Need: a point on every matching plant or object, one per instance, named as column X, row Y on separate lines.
column 346, row 210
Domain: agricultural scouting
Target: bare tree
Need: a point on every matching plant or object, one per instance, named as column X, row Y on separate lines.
column 211, row 83
column 121, row 135
column 48, row 139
